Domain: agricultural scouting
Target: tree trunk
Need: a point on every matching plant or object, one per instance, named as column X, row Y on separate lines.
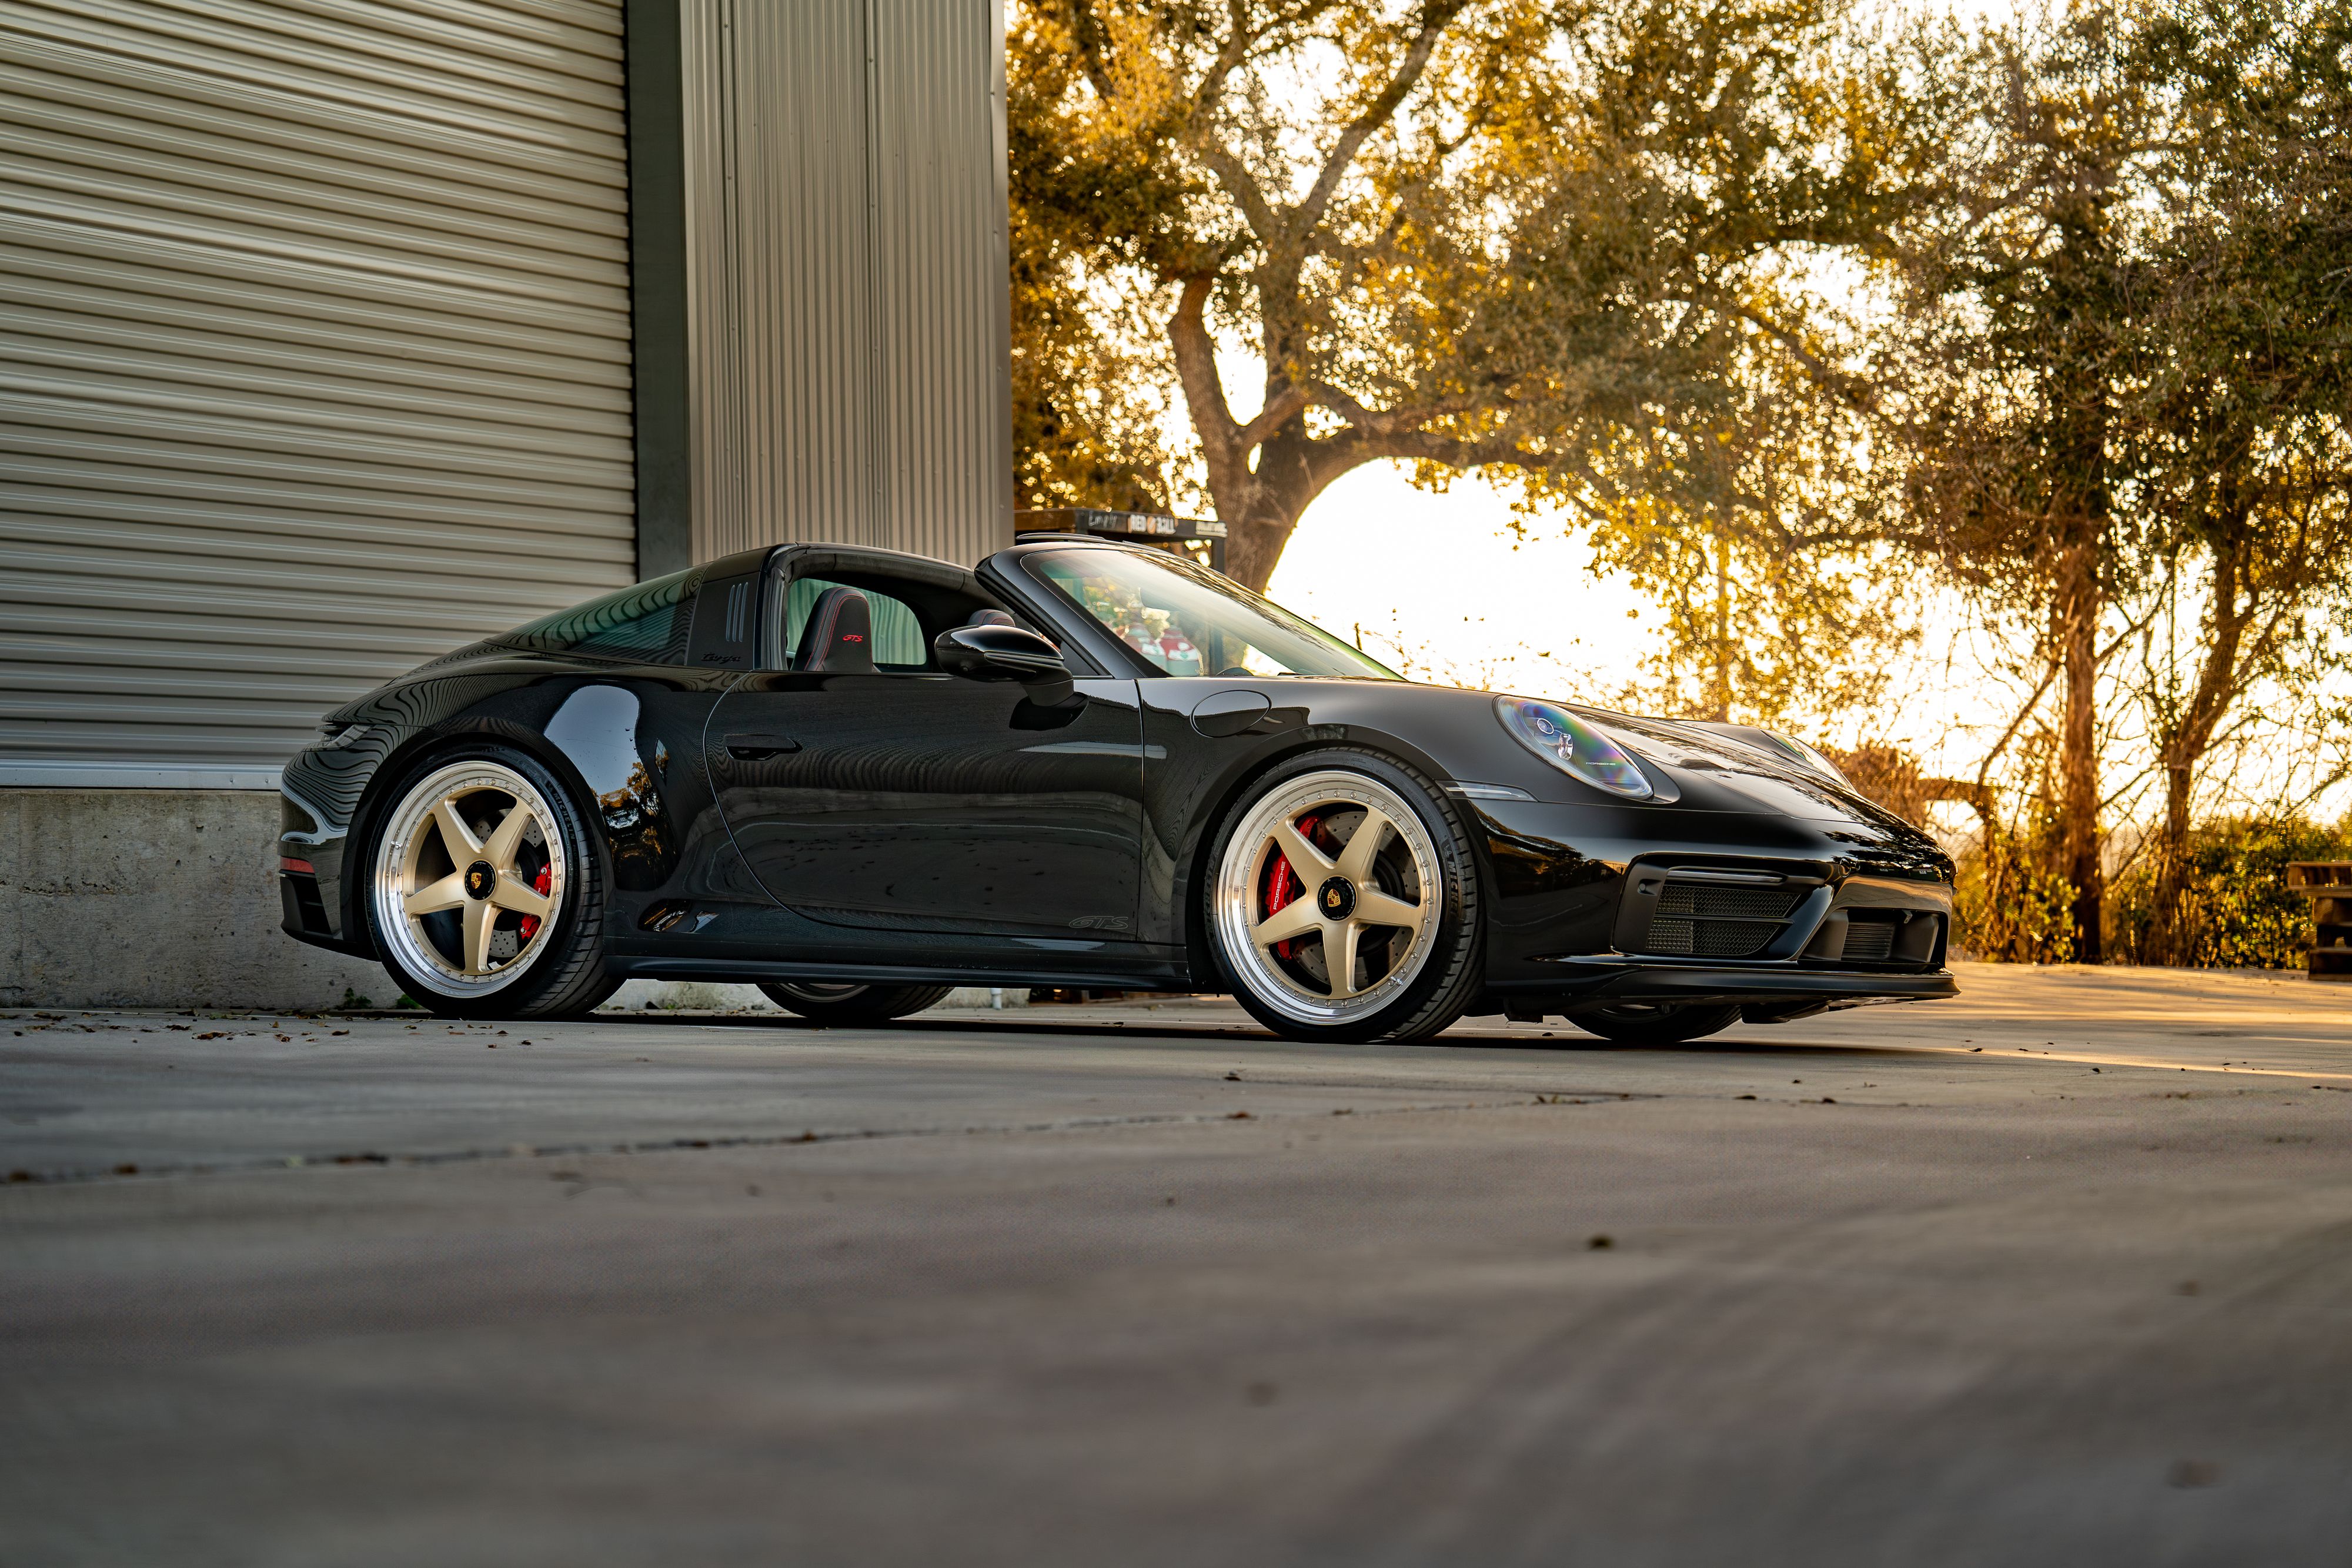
column 1254, row 549
column 1260, row 506
column 1722, row 694
column 2227, row 666
column 2077, row 630
column 2170, row 939
column 1265, row 513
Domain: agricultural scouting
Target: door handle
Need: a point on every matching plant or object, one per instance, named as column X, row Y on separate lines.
column 756, row 747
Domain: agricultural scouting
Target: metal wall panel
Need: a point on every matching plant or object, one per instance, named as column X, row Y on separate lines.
column 314, row 359
column 847, row 267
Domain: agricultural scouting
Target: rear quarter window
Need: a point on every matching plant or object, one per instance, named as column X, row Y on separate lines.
column 646, row 623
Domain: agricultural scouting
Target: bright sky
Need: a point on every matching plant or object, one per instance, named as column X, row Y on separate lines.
column 1441, row 582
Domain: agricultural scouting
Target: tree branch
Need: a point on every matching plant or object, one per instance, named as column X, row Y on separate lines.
column 1984, row 769
column 1241, row 185
column 1434, row 19
column 1858, row 393
column 1204, row 391
column 1087, row 34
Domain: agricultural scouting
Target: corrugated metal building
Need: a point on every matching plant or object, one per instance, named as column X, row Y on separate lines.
column 336, row 333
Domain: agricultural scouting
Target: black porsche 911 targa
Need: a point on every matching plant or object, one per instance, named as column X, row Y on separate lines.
column 858, row 778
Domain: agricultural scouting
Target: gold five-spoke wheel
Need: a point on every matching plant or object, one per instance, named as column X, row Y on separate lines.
column 1326, row 896
column 469, row 878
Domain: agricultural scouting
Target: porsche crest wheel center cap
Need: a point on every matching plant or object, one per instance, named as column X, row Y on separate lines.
column 1336, row 899
column 480, row 879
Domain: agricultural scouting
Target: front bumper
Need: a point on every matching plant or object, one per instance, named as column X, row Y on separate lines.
column 1579, row 918
column 311, row 880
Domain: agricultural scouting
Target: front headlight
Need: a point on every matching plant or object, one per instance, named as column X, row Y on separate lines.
column 1572, row 746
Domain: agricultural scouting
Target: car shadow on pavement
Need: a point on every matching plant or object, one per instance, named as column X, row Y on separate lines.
column 1565, row 1039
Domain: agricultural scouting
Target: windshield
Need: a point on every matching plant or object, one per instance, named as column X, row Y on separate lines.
column 1188, row 621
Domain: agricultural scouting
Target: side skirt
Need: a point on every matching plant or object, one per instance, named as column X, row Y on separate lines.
column 752, row 971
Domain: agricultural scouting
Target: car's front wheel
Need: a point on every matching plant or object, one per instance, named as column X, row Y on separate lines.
column 1343, row 901
column 484, row 895
column 1657, row 1023
column 842, row 1002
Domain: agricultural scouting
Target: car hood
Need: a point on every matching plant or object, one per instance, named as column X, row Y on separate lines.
column 1717, row 770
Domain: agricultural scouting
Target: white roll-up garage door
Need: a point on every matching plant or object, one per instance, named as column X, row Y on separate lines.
column 314, row 361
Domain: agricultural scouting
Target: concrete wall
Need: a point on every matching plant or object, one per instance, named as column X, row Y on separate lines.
column 154, row 898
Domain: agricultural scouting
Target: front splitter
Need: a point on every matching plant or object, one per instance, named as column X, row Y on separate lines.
column 1607, row 977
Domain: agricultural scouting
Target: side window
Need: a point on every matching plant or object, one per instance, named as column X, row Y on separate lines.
column 900, row 646
column 646, row 623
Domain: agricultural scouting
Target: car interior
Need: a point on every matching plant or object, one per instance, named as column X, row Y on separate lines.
column 839, row 620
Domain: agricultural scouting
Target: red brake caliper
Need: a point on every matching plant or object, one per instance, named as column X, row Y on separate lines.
column 1282, row 884
column 539, row 884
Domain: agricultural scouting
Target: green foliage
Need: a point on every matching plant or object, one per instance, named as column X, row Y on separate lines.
column 2012, row 905
column 1082, row 198
column 2236, row 910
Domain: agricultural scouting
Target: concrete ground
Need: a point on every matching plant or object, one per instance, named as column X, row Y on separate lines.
column 2057, row 1273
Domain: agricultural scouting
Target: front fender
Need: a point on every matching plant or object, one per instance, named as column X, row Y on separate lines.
column 1194, row 773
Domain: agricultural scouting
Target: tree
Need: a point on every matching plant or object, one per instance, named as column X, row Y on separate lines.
column 1779, row 605
column 1463, row 233
column 2236, row 444
column 2126, row 371
column 1085, row 422
column 2016, row 310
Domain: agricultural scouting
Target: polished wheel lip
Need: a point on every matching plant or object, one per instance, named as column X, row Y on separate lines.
column 401, row 896
column 1271, row 822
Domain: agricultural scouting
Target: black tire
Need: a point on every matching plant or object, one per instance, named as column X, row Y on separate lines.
column 1657, row 1023
column 1453, row 970
column 568, row 976
column 844, row 1003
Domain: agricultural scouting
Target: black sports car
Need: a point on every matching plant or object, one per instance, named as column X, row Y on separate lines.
column 857, row 779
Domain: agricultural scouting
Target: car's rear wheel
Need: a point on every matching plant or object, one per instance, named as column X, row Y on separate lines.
column 1657, row 1023
column 844, row 1002
column 485, row 896
column 1343, row 902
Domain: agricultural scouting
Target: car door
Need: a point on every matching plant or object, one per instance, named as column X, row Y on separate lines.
column 909, row 801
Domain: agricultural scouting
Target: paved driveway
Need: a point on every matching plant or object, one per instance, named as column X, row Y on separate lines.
column 2058, row 1273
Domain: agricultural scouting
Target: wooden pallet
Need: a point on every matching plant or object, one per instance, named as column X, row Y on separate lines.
column 2328, row 885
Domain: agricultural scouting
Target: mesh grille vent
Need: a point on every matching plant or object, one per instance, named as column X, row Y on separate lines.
column 1700, row 901
column 1711, row 938
column 1699, row 920
column 1872, row 941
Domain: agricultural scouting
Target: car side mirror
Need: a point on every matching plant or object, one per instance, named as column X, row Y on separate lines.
column 1000, row 653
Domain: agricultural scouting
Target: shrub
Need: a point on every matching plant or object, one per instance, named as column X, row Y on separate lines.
column 2237, row 911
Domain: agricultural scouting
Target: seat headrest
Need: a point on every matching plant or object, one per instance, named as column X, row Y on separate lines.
column 990, row 618
column 839, row 637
